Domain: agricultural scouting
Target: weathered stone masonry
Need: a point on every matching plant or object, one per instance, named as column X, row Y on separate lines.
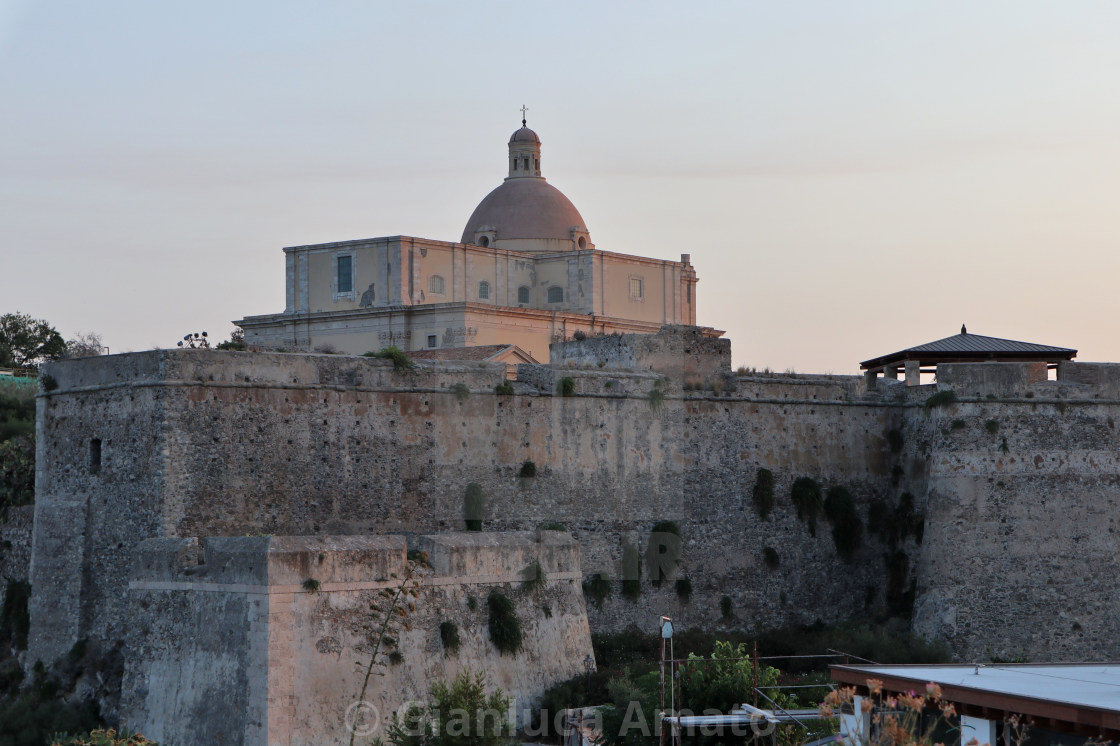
column 1019, row 541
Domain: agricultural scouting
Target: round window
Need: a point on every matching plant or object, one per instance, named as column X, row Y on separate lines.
column 484, row 241
column 582, row 242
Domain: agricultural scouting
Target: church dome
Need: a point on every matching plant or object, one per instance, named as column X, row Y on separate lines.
column 525, row 208
column 525, row 135
column 526, row 213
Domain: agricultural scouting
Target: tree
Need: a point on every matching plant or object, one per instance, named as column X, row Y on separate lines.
column 85, row 345
column 25, row 342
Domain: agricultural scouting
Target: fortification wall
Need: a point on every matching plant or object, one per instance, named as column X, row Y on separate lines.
column 229, row 645
column 288, row 444
column 682, row 352
column 208, row 443
column 1020, row 552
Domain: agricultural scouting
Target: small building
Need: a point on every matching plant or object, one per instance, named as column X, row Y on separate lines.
column 1060, row 703
column 961, row 348
column 524, row 272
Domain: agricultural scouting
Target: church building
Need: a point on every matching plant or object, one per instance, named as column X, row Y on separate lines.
column 524, row 273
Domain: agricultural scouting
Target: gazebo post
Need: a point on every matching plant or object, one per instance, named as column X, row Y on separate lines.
column 913, row 372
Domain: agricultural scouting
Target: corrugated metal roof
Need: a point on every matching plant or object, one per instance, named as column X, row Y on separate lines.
column 973, row 346
column 978, row 343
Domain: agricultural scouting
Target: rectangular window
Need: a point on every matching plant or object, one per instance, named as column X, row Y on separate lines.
column 345, row 274
column 635, row 287
column 431, row 340
column 95, row 456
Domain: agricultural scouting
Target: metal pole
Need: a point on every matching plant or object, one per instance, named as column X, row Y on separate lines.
column 754, row 687
column 661, row 714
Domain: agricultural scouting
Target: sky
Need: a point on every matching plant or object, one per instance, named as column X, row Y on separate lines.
column 850, row 178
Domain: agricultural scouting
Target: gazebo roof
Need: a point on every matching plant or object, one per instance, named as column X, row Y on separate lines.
column 968, row 348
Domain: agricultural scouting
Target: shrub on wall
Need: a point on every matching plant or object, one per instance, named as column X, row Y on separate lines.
column 847, row 528
column 806, row 495
column 528, row 470
column 472, row 507
column 534, row 577
column 461, row 390
column 939, row 399
column 567, row 386
column 763, row 493
column 401, row 361
column 449, row 638
column 505, row 627
column 656, row 400
column 596, row 589
column 684, row 589
column 505, row 388
column 553, row 526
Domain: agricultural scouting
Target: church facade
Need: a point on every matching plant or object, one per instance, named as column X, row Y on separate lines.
column 524, row 272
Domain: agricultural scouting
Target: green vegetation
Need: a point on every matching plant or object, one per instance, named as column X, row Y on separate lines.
column 770, row 558
column 892, row 525
column 235, row 343
column 992, row 426
column 461, row 390
column 596, row 589
column 401, row 361
column 419, row 557
column 763, row 493
column 958, row 424
column 528, row 470
column 473, row 507
column 534, row 577
column 806, row 495
column 684, row 589
column 567, row 386
column 449, row 637
column 26, row 342
column 34, row 715
column 656, row 400
column 389, row 611
column 505, row 627
column 553, row 526
column 457, row 714
column 505, row 388
column 311, row 585
column 847, row 527
column 939, row 399
column 108, row 737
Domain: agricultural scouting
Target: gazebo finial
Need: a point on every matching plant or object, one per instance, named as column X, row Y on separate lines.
column 963, row 329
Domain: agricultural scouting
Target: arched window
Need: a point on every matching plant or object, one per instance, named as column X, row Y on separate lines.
column 435, row 285
column 522, row 294
column 483, row 290
column 484, row 241
column 555, row 295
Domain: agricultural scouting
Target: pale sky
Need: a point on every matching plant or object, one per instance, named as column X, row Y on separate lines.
column 850, row 178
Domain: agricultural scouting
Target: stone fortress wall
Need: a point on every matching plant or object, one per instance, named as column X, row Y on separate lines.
column 1018, row 531
column 229, row 644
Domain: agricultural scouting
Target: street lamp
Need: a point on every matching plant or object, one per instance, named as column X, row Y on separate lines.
column 589, row 666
